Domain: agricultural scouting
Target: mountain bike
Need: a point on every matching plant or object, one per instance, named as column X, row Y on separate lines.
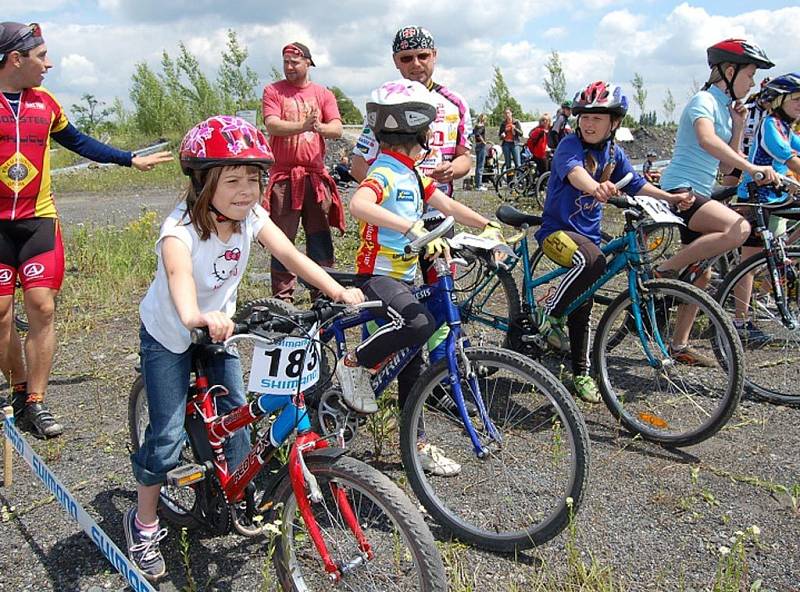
column 774, row 302
column 642, row 384
column 341, row 521
column 523, row 183
column 524, row 456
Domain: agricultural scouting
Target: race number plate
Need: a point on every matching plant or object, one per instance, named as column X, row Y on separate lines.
column 658, row 210
column 277, row 369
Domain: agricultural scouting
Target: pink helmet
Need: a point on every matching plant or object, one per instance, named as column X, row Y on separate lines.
column 224, row 140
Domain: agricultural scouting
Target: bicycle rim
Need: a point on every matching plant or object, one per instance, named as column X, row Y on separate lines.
column 405, row 554
column 675, row 404
column 771, row 369
column 523, row 492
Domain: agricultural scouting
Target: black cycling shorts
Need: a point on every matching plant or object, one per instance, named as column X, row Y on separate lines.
column 33, row 250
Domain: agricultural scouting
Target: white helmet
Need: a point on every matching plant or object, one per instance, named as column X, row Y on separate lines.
column 400, row 107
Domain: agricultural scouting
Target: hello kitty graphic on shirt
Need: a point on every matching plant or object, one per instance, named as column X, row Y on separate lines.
column 226, row 266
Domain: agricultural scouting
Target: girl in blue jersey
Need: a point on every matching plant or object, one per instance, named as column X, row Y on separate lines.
column 775, row 145
column 584, row 169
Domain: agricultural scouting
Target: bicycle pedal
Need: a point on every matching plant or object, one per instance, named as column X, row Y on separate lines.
column 185, row 475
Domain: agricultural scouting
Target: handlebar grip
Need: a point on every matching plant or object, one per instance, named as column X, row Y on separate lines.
column 620, row 201
column 200, row 335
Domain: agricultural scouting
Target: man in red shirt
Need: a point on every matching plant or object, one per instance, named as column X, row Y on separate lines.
column 299, row 116
column 537, row 143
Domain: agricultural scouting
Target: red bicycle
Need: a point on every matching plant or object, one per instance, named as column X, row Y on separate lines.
column 341, row 522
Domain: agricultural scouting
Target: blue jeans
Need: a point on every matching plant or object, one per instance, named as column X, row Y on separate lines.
column 510, row 152
column 166, row 378
column 480, row 162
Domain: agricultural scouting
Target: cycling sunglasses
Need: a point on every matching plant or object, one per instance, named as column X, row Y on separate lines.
column 422, row 57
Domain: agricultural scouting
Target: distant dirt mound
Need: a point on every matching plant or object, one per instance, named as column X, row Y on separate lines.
column 660, row 140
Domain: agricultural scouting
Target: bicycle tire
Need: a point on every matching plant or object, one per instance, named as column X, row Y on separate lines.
column 770, row 370
column 173, row 510
column 486, row 309
column 509, row 185
column 519, row 506
column 297, row 563
column 540, row 192
column 631, row 389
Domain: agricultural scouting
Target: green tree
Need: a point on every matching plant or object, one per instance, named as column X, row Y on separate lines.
column 237, row 82
column 668, row 106
column 639, row 93
column 150, row 101
column 347, row 109
column 203, row 96
column 555, row 84
column 275, row 74
column 90, row 116
column 500, row 99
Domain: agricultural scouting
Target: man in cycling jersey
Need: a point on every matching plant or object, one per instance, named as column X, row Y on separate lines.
column 31, row 249
column 449, row 157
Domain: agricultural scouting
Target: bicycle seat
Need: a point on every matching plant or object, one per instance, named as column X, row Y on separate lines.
column 724, row 193
column 348, row 279
column 513, row 217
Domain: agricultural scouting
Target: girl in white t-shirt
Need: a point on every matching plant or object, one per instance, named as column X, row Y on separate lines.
column 202, row 253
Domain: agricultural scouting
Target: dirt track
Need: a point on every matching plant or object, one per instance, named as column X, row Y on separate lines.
column 656, row 518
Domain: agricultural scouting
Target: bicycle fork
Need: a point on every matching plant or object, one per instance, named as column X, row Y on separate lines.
column 307, row 491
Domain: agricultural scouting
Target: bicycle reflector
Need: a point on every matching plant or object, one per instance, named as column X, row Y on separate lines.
column 185, row 475
column 653, row 420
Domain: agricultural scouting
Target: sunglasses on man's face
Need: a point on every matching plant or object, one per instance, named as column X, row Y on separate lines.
column 422, row 57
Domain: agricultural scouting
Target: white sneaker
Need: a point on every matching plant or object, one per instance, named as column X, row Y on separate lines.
column 434, row 461
column 356, row 388
column 482, row 188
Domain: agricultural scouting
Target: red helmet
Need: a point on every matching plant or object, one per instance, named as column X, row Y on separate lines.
column 601, row 97
column 224, row 140
column 738, row 51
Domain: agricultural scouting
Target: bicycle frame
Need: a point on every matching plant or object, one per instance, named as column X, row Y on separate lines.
column 206, row 427
column 437, row 297
column 624, row 252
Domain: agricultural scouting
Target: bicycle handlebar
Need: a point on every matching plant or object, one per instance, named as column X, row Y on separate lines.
column 263, row 322
column 418, row 244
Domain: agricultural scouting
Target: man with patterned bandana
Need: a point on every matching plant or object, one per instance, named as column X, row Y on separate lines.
column 449, row 156
column 30, row 232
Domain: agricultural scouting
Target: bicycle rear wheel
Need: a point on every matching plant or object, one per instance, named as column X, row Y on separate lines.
column 405, row 554
column 522, row 493
column 676, row 404
column 771, row 369
column 540, row 190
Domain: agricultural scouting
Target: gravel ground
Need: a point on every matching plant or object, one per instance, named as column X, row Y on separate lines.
column 654, row 518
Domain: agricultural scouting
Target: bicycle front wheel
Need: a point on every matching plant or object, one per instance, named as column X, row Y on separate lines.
column 689, row 396
column 405, row 556
column 771, row 370
column 522, row 493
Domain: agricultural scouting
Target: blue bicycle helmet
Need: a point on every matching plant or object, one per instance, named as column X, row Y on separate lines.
column 787, row 84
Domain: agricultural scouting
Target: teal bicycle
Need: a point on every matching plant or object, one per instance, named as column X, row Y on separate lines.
column 647, row 389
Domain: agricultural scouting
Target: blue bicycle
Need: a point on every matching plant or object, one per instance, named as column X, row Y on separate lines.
column 524, row 456
column 643, row 381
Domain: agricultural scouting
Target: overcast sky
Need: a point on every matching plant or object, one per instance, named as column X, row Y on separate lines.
column 96, row 44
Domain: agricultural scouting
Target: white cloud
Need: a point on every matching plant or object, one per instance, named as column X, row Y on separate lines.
column 555, row 33
column 78, row 70
column 351, row 43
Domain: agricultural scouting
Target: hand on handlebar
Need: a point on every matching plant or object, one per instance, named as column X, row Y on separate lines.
column 604, row 190
column 220, row 326
column 435, row 248
column 492, row 231
column 683, row 201
column 349, row 296
column 765, row 175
